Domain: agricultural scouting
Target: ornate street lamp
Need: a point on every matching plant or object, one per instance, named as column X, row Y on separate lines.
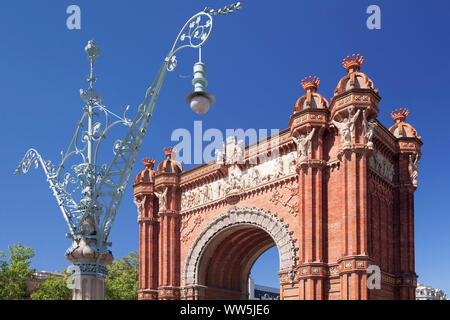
column 88, row 193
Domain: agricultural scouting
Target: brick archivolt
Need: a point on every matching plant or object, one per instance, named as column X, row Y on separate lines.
column 236, row 216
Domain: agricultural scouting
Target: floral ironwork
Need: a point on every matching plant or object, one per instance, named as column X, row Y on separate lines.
column 88, row 194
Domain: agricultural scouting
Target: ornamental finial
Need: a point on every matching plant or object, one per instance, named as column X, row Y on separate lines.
column 149, row 163
column 92, row 51
column 353, row 64
column 399, row 116
column 89, row 96
column 310, row 85
column 170, row 152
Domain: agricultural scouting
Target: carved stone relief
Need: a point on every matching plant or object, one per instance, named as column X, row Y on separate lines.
column 232, row 152
column 238, row 180
column 289, row 201
column 381, row 165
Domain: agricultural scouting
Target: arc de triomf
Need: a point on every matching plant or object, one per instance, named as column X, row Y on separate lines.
column 337, row 199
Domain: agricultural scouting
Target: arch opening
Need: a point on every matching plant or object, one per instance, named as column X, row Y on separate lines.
column 225, row 266
column 264, row 280
column 221, row 258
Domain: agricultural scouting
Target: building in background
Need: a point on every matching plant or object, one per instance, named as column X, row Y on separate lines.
column 429, row 293
column 258, row 292
column 40, row 277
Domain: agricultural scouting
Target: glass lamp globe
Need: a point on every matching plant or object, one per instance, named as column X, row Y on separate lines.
column 200, row 102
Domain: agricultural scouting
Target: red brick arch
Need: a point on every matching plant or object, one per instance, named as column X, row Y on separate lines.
column 343, row 181
column 225, row 250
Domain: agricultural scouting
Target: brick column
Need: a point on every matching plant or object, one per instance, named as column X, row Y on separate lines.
column 169, row 241
column 148, row 248
column 405, row 238
column 354, row 256
column 312, row 273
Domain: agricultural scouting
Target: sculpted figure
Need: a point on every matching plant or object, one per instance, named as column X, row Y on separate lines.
column 234, row 181
column 303, row 143
column 162, row 198
column 369, row 129
column 219, row 157
column 204, row 194
column 414, row 168
column 291, row 163
column 219, row 189
column 184, row 201
column 252, row 178
column 279, row 168
column 196, row 194
column 191, row 199
column 239, row 152
column 346, row 127
column 234, row 152
column 140, row 204
column 391, row 171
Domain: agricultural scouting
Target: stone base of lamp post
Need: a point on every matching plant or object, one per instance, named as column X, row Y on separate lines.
column 88, row 287
column 88, row 272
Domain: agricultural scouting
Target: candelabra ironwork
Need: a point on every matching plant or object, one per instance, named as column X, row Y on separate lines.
column 88, row 193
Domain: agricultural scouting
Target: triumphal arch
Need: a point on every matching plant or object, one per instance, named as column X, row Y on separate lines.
column 334, row 192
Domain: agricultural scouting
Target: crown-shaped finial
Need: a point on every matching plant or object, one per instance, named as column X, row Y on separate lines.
column 170, row 152
column 311, row 84
column 354, row 63
column 399, row 116
column 149, row 163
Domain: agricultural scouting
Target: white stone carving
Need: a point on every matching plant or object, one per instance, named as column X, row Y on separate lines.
column 162, row 198
column 252, row 178
column 241, row 216
column 220, row 157
column 414, row 169
column 369, row 129
column 279, row 168
column 303, row 143
column 346, row 127
column 232, row 152
column 291, row 163
column 381, row 165
column 217, row 188
column 238, row 180
column 184, row 200
column 140, row 204
column 233, row 183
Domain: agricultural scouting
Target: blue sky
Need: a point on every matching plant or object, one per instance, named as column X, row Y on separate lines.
column 255, row 58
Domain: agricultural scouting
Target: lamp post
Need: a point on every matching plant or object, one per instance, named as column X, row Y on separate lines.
column 89, row 194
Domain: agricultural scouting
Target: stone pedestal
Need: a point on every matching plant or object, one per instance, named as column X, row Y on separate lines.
column 88, row 287
column 88, row 272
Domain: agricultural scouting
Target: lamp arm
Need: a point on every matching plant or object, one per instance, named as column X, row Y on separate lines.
column 32, row 157
column 193, row 34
